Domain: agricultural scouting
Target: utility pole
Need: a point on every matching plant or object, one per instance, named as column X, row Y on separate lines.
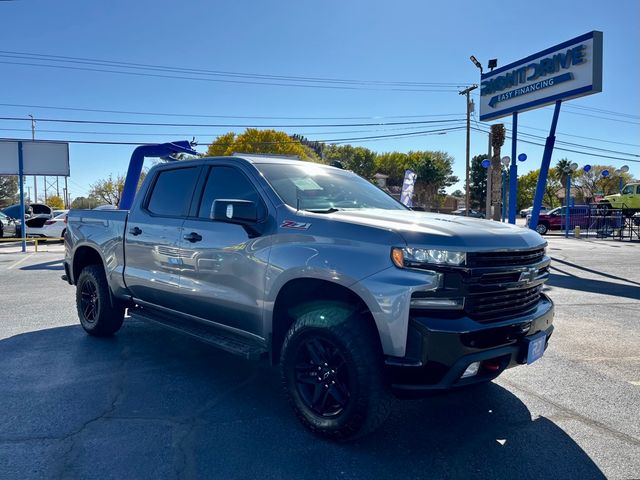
column 466, row 92
column 35, row 179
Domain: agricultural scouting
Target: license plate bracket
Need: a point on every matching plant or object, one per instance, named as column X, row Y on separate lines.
column 535, row 346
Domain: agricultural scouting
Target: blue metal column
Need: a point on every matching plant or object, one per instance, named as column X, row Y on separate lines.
column 513, row 172
column 137, row 160
column 23, row 223
column 544, row 168
column 568, row 215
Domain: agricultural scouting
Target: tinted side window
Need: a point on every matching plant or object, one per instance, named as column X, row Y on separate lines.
column 638, row 189
column 226, row 183
column 172, row 192
column 627, row 190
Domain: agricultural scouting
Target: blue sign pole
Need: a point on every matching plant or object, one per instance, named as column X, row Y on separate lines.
column 568, row 215
column 544, row 168
column 621, row 183
column 513, row 172
column 23, row 223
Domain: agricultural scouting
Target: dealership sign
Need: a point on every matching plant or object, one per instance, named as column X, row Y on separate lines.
column 38, row 158
column 569, row 70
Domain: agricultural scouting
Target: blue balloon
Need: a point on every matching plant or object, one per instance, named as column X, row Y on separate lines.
column 605, row 173
column 486, row 163
column 586, row 168
column 522, row 157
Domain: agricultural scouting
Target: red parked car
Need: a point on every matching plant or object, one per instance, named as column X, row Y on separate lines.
column 555, row 219
column 588, row 217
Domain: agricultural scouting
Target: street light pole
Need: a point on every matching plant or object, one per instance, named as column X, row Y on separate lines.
column 466, row 92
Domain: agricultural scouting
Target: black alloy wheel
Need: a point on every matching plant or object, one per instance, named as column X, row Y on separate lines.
column 332, row 370
column 89, row 302
column 100, row 314
column 322, row 377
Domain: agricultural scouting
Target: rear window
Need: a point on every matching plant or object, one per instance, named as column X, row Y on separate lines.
column 172, row 192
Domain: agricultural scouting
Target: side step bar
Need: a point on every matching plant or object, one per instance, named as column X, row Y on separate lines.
column 228, row 342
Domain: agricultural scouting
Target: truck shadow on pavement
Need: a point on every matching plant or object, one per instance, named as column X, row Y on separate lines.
column 153, row 404
column 570, row 281
column 52, row 265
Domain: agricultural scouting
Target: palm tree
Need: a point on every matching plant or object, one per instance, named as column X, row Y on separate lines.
column 562, row 165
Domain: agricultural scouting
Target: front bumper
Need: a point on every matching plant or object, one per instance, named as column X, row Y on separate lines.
column 439, row 350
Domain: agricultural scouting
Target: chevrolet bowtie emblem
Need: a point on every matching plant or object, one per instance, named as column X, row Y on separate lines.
column 529, row 275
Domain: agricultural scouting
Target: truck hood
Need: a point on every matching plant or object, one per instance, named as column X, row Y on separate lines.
column 447, row 231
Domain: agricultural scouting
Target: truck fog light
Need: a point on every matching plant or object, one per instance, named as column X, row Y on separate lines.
column 437, row 303
column 471, row 370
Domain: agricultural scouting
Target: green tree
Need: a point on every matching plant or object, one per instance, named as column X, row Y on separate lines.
column 434, row 170
column 85, row 202
column 590, row 184
column 527, row 185
column 393, row 164
column 8, row 191
column 357, row 159
column 477, row 181
column 109, row 190
column 458, row 193
column 258, row 141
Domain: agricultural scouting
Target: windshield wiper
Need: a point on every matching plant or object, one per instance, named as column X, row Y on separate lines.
column 322, row 210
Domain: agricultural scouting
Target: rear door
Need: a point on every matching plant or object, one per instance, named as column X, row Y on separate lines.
column 152, row 237
column 224, row 264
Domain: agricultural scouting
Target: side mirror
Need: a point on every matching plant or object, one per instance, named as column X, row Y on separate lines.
column 241, row 212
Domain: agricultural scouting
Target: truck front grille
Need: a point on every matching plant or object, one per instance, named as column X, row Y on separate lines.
column 504, row 259
column 490, row 306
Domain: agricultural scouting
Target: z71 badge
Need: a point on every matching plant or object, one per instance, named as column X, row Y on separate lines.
column 295, row 225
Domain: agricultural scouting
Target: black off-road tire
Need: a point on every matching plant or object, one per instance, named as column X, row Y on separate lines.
column 355, row 399
column 97, row 315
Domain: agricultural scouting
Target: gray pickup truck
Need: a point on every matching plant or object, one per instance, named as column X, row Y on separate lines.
column 311, row 267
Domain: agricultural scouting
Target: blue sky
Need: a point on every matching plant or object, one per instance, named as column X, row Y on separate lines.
column 381, row 41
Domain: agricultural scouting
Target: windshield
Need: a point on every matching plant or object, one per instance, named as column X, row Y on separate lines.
column 316, row 188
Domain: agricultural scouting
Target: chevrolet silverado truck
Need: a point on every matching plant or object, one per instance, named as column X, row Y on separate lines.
column 313, row 268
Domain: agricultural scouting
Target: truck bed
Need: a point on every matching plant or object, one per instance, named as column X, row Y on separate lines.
column 102, row 230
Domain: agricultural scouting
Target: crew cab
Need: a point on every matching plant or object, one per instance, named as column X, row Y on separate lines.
column 313, row 268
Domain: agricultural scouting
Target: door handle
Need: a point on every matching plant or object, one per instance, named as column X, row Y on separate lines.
column 193, row 237
column 135, row 231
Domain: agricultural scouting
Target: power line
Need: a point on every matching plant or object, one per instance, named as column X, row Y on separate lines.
column 569, row 150
column 579, row 136
column 606, row 112
column 133, row 65
column 336, row 140
column 235, row 81
column 200, row 134
column 250, row 117
column 603, row 118
column 337, row 125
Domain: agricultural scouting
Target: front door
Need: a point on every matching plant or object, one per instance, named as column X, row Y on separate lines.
column 223, row 265
column 152, row 238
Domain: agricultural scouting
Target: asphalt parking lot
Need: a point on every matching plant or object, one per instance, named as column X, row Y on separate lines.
column 153, row 404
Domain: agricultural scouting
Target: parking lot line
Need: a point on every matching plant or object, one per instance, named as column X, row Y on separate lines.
column 15, row 264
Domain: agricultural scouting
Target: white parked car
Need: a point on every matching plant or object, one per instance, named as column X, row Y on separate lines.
column 527, row 211
column 55, row 227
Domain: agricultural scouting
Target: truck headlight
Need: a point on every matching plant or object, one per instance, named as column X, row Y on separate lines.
column 408, row 257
